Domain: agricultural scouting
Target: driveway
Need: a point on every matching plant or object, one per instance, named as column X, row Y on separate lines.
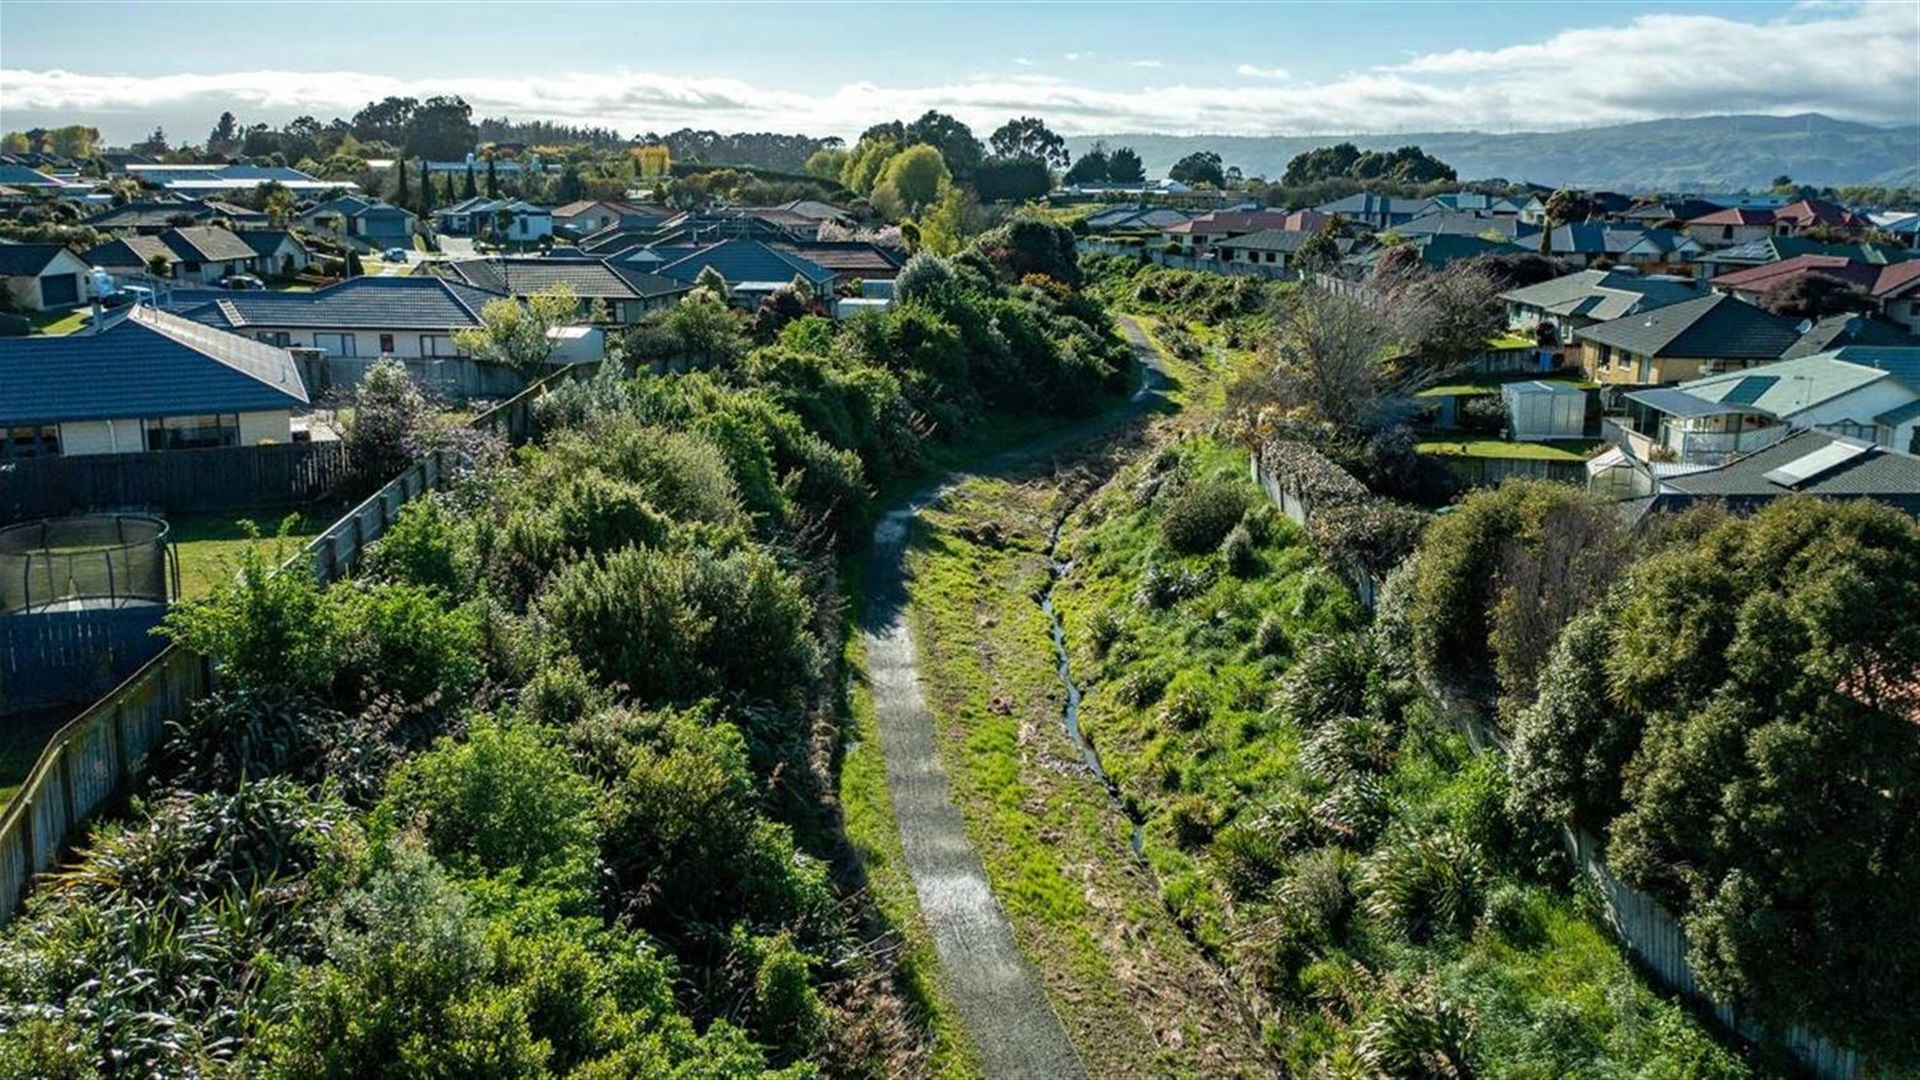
column 1000, row 1001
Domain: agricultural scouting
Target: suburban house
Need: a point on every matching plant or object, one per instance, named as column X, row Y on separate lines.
column 1688, row 340
column 1376, row 212
column 1589, row 243
column 1435, row 251
column 197, row 254
column 359, row 317
column 1848, row 328
column 751, row 269
column 628, row 293
column 585, row 217
column 208, row 179
column 1866, row 394
column 1195, row 234
column 1467, row 223
column 1735, row 225
column 281, row 252
column 1653, row 214
column 149, row 217
column 525, row 223
column 1270, row 247
column 1581, row 299
column 1778, row 248
column 1135, row 219
column 27, row 178
column 42, row 276
column 147, row 380
column 1796, row 218
column 1894, row 288
column 374, row 224
column 1802, row 463
column 850, row 260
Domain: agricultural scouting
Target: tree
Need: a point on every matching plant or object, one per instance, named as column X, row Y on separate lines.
column 954, row 140
column 353, row 267
column 713, row 282
column 1092, row 168
column 827, row 164
column 1319, row 254
column 154, row 145
column 1815, row 296
column 225, row 136
column 1565, row 207
column 401, row 197
column 440, row 128
column 917, row 174
column 426, row 189
column 1012, row 179
column 469, row 191
column 1756, row 735
column 867, row 161
column 707, row 330
column 1028, row 138
column 569, row 189
column 514, row 332
column 15, row 142
column 389, row 413
column 493, row 177
column 1202, row 167
column 1125, row 167
column 276, row 201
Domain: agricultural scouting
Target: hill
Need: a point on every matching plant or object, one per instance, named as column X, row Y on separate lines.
column 1699, row 153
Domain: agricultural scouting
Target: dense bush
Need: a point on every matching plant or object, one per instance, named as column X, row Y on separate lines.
column 1199, row 514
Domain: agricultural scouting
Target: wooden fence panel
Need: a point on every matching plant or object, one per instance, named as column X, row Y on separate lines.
column 176, row 481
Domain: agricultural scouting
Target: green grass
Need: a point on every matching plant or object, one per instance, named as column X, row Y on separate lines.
column 1491, row 384
column 59, row 322
column 208, row 545
column 1484, row 447
column 1511, row 341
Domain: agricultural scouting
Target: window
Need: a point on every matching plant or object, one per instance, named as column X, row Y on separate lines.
column 41, row 440
column 437, row 345
column 275, row 337
column 386, row 344
column 193, row 432
column 335, row 344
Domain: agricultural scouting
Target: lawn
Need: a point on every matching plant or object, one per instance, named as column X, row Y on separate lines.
column 1491, row 384
column 1483, row 447
column 209, row 545
column 58, row 322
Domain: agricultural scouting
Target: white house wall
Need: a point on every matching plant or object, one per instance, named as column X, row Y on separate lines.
column 102, row 437
column 366, row 343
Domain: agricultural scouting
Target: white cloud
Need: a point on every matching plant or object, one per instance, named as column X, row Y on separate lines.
column 1079, row 55
column 1252, row 72
column 1145, row 64
column 1023, row 61
column 1853, row 62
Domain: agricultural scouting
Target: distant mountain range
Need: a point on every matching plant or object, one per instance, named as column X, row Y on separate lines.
column 1709, row 152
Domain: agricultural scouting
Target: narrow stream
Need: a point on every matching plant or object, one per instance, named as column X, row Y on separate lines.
column 1063, row 664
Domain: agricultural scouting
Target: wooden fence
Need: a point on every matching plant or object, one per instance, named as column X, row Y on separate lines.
column 1475, row 472
column 458, row 378
column 1649, row 931
column 179, row 481
column 87, row 760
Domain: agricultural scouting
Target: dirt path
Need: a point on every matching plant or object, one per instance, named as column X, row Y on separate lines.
column 999, row 1000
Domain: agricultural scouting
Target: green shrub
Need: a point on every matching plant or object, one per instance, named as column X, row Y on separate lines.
column 400, row 640
column 1424, row 887
column 424, row 547
column 265, row 629
column 1200, row 515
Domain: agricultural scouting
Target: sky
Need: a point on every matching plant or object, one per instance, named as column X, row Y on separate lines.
column 835, row 68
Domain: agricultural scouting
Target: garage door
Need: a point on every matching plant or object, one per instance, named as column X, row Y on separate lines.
column 59, row 290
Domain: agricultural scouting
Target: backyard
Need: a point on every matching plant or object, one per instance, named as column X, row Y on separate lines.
column 207, row 545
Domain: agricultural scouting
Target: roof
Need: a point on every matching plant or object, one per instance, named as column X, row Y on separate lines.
column 1735, row 215
column 1808, row 212
column 1715, row 326
column 588, row 277
column 150, row 214
column 1837, row 331
column 1278, row 240
column 194, row 243
column 1601, row 294
column 1464, row 223
column 1671, row 210
column 362, row 303
column 745, row 260
column 27, row 260
column 266, row 242
column 1787, row 387
column 1142, row 217
column 846, row 257
column 1225, row 222
column 1774, row 248
column 149, row 364
column 1594, row 238
column 1367, row 204
column 1878, row 280
column 1677, row 402
column 1869, row 472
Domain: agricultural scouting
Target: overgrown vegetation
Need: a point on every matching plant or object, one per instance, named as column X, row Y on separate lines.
column 542, row 791
column 1316, row 826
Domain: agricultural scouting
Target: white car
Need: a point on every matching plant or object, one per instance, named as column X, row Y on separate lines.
column 394, row 254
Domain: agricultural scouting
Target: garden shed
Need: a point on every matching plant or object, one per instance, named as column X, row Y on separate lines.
column 1538, row 411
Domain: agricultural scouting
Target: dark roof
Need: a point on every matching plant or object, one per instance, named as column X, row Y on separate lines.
column 1601, row 294
column 1279, row 240
column 266, row 242
column 148, row 364
column 1875, row 472
column 745, row 260
column 589, row 278
column 27, row 260
column 363, row 303
column 846, row 257
column 1711, row 327
column 1464, row 223
column 196, row 243
column 1774, row 248
column 150, row 214
column 1677, row 402
column 1670, row 210
column 1836, row 331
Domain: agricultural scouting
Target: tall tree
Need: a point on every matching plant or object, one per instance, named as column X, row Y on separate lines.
column 1029, row 138
column 493, row 177
column 1199, row 167
column 470, row 190
column 1125, row 167
column 953, row 139
column 1094, row 166
column 426, row 188
column 401, row 196
column 441, row 128
column 225, row 136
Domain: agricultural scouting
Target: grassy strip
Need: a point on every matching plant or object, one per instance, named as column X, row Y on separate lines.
column 1135, row 998
column 867, row 810
column 1480, row 447
column 209, row 544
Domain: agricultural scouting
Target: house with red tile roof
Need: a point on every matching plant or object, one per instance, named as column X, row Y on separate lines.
column 1796, row 218
column 1734, row 225
column 1196, row 234
column 1895, row 288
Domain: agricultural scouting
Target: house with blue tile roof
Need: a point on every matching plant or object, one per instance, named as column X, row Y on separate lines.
column 751, row 269
column 145, row 380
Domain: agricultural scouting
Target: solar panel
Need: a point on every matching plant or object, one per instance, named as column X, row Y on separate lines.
column 1748, row 390
column 1829, row 457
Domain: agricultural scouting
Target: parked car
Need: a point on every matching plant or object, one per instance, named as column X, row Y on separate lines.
column 394, row 254
column 242, row 283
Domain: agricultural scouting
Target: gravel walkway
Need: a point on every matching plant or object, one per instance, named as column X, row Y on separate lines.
column 999, row 999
